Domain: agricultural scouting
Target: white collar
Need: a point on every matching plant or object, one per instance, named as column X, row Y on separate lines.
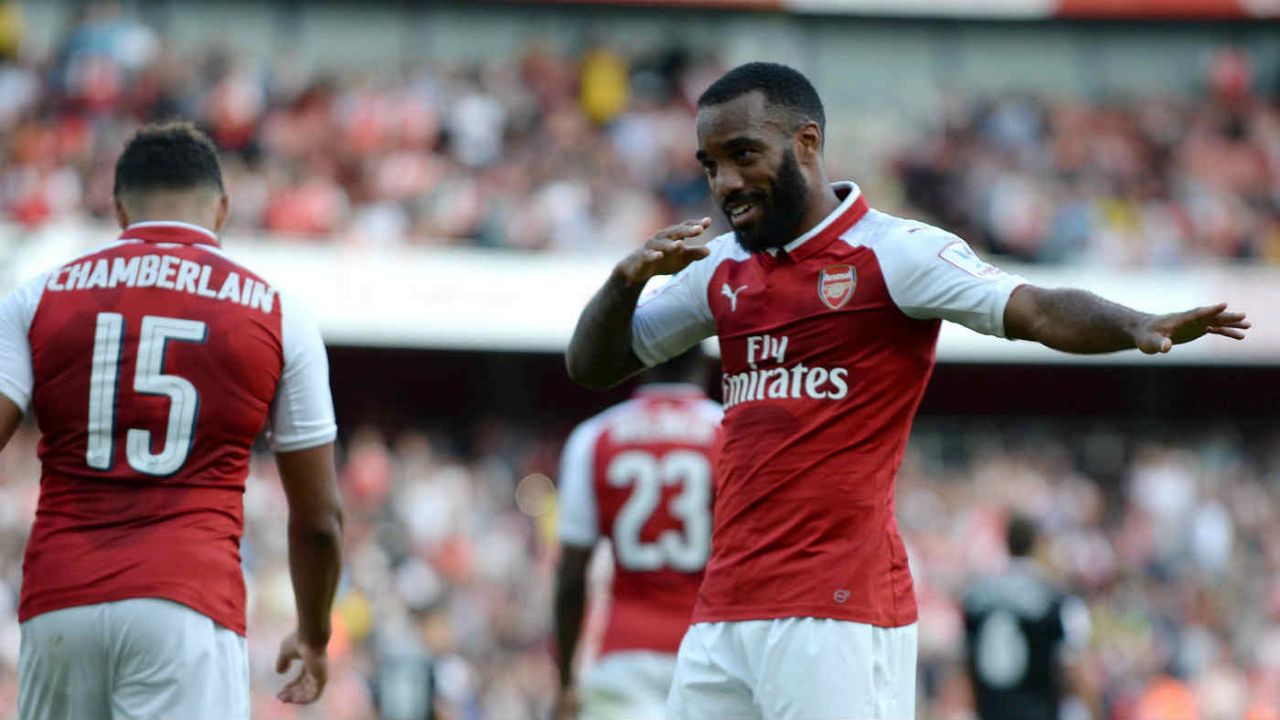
column 174, row 223
column 854, row 193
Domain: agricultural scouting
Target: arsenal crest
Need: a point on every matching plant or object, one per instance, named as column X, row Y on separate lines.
column 836, row 284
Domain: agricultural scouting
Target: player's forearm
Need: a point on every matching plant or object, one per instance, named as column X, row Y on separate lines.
column 315, row 564
column 570, row 606
column 600, row 352
column 1077, row 321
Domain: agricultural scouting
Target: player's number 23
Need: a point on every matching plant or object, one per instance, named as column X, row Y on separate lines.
column 685, row 551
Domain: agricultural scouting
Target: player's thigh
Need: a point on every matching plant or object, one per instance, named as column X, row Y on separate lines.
column 172, row 661
column 628, row 686
column 710, row 681
column 62, row 666
column 814, row 668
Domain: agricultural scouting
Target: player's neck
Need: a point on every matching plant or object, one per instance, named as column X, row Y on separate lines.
column 175, row 207
column 822, row 202
column 184, row 220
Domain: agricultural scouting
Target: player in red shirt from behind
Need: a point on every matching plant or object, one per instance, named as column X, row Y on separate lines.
column 150, row 365
column 828, row 314
column 639, row 475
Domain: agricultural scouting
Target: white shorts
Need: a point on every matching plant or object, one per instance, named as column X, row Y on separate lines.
column 795, row 669
column 139, row 658
column 630, row 685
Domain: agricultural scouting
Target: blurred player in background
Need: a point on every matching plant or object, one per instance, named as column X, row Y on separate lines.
column 1024, row 637
column 640, row 475
column 151, row 364
column 828, row 314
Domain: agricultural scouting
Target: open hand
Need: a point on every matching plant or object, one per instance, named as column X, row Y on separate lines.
column 666, row 253
column 1162, row 332
column 307, row 686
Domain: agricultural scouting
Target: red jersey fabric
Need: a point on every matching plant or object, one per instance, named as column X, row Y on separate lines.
column 826, row 346
column 155, row 362
column 641, row 474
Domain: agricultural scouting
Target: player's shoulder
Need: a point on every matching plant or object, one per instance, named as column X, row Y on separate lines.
column 592, row 428
column 724, row 246
column 31, row 288
column 910, row 246
column 719, row 249
column 220, row 255
column 883, row 232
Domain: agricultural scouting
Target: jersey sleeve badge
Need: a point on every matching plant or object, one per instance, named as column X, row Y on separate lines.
column 962, row 256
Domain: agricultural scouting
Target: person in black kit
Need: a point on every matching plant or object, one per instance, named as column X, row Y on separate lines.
column 1022, row 635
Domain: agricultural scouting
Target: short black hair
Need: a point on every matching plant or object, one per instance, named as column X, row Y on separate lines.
column 687, row 367
column 782, row 86
column 1020, row 534
column 172, row 155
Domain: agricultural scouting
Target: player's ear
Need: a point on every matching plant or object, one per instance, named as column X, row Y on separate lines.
column 122, row 215
column 224, row 209
column 808, row 139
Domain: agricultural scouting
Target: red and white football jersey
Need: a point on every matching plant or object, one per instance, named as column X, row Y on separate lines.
column 642, row 474
column 826, row 345
column 151, row 365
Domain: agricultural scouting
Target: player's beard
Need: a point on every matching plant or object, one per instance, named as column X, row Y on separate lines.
column 783, row 209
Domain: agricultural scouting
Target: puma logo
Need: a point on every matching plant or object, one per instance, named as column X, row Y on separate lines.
column 732, row 295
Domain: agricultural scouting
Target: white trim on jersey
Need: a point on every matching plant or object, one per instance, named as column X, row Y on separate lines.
column 302, row 411
column 677, row 316
column 17, row 311
column 174, row 223
column 931, row 273
column 579, row 522
column 854, row 193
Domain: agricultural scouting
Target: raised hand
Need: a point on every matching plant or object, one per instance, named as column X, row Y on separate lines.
column 307, row 686
column 666, row 253
column 1162, row 332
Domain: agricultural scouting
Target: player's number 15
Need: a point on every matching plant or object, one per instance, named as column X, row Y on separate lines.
column 148, row 379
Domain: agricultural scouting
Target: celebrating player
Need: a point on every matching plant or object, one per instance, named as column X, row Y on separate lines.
column 151, row 364
column 639, row 474
column 828, row 314
column 1023, row 638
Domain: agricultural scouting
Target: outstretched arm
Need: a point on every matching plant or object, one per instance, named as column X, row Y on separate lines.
column 1077, row 321
column 600, row 353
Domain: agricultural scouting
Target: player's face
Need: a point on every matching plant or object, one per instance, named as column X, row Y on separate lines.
column 747, row 154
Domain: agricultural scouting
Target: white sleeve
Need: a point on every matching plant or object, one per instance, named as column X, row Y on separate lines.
column 931, row 273
column 302, row 412
column 676, row 316
column 579, row 524
column 17, row 311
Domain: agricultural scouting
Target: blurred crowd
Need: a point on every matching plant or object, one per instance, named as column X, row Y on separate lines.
column 541, row 151
column 1169, row 537
column 1151, row 181
column 591, row 150
column 1173, row 542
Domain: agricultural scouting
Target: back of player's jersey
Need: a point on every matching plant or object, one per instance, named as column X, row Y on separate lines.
column 1014, row 629
column 155, row 365
column 650, row 464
